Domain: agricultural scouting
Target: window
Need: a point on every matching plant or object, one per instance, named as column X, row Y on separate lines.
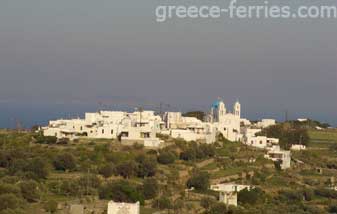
column 260, row 141
column 102, row 131
column 125, row 134
column 112, row 131
column 145, row 134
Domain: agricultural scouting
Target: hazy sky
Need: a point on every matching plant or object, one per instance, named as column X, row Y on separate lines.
column 61, row 57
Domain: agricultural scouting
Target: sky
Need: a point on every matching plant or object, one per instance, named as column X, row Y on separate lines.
column 62, row 58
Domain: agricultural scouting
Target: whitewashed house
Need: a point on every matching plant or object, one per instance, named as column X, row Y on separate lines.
column 189, row 128
column 123, row 208
column 264, row 123
column 228, row 193
column 298, row 147
column 282, row 156
column 140, row 127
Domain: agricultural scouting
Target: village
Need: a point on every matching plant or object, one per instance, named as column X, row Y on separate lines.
column 143, row 127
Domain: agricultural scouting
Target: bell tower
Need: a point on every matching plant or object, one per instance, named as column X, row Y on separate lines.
column 237, row 109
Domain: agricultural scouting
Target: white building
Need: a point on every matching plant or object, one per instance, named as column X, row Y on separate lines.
column 123, row 208
column 227, row 123
column 298, row 147
column 261, row 142
column 140, row 127
column 189, row 128
column 284, row 157
column 228, row 192
column 264, row 123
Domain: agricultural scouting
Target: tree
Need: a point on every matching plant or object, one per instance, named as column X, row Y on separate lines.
column 106, row 171
column 199, row 180
column 166, row 157
column 126, row 169
column 289, row 133
column 251, row 197
column 64, row 161
column 147, row 167
column 30, row 190
column 197, row 114
column 36, row 168
column 120, row 191
column 150, row 188
column 189, row 154
column 39, row 167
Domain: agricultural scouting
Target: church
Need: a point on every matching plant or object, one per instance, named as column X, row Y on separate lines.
column 226, row 122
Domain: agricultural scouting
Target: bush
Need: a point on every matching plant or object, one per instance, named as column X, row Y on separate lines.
column 327, row 193
column 150, row 188
column 308, row 194
column 120, row 191
column 106, row 171
column 9, row 188
column 207, row 203
column 64, row 161
column 166, row 157
column 147, row 167
column 288, row 133
column 162, row 203
column 199, row 180
column 218, row 208
column 40, row 139
column 127, row 169
column 251, row 197
column 30, row 190
column 50, row 206
column 9, row 201
column 188, row 155
column 290, row 196
column 37, row 167
column 332, row 208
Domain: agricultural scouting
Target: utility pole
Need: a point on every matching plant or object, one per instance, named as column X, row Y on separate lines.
column 286, row 115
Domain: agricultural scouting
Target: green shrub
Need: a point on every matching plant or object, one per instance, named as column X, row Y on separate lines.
column 162, row 203
column 30, row 190
column 121, row 191
column 251, row 197
column 199, row 180
column 150, row 188
column 50, row 206
column 64, row 161
column 166, row 157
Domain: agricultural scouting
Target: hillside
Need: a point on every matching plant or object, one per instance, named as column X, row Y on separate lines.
column 39, row 176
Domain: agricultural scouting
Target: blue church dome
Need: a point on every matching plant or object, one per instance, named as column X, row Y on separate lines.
column 216, row 104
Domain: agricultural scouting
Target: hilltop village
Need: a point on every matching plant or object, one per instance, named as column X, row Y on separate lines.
column 141, row 162
column 143, row 127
